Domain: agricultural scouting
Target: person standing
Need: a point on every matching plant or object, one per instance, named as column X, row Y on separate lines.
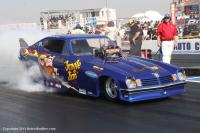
column 166, row 38
column 186, row 30
column 78, row 30
column 135, row 38
column 111, row 31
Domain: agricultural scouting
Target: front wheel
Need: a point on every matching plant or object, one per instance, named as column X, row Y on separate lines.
column 111, row 89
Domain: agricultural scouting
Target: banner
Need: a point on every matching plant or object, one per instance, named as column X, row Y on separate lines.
column 184, row 46
column 187, row 47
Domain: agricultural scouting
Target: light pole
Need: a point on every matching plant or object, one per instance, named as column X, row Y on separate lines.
column 107, row 9
column 199, row 14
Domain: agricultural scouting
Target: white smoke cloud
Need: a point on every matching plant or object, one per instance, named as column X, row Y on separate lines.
column 12, row 70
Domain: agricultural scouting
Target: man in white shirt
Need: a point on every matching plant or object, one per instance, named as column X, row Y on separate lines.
column 78, row 30
column 111, row 31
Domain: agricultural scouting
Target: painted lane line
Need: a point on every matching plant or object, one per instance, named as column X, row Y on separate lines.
column 193, row 79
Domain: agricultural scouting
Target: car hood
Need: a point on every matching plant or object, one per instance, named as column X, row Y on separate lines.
column 131, row 66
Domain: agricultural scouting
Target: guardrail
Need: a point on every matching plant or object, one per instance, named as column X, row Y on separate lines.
column 190, row 37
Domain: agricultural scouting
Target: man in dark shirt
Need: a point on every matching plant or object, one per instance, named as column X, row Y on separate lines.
column 135, row 38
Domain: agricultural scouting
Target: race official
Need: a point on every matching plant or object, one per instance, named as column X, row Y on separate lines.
column 166, row 39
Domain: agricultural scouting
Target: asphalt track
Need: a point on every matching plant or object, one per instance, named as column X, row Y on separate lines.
column 70, row 113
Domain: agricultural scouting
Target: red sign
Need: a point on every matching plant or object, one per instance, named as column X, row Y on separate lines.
column 186, row 1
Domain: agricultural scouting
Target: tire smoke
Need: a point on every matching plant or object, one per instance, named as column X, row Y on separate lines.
column 12, row 71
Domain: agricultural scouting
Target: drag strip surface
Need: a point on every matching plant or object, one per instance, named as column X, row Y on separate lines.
column 69, row 113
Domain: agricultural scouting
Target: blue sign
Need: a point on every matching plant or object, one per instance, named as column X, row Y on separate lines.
column 92, row 21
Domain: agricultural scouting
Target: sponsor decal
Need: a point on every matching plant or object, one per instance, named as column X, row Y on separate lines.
column 72, row 69
column 146, row 68
column 165, row 92
column 51, row 83
column 90, row 93
column 30, row 52
column 25, row 52
column 156, row 75
column 33, row 53
column 58, row 86
column 91, row 74
column 97, row 68
column 42, row 56
column 154, row 68
column 82, row 91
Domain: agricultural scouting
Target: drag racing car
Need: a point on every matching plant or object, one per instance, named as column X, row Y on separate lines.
column 93, row 66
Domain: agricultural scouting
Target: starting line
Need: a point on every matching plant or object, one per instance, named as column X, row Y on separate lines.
column 193, row 79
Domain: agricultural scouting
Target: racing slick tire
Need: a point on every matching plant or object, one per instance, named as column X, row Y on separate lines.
column 111, row 90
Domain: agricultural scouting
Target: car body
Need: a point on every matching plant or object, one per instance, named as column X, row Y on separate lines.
column 71, row 62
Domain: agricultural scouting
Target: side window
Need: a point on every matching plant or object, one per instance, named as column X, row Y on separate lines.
column 54, row 45
column 40, row 43
column 65, row 49
column 81, row 46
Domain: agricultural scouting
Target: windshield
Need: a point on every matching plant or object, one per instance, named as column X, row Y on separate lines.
column 88, row 45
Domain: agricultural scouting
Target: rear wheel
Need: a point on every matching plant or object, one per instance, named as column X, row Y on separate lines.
column 111, row 89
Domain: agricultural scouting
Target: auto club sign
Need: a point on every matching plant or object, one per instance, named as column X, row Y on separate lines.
column 187, row 47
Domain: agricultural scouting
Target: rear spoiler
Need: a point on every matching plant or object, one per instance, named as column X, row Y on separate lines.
column 23, row 43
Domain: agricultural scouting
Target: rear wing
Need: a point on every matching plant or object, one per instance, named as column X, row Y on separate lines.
column 23, row 43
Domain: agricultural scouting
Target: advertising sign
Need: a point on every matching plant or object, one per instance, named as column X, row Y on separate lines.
column 184, row 46
column 187, row 47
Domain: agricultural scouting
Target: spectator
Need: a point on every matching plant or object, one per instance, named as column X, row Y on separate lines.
column 98, row 30
column 122, row 33
column 78, row 30
column 150, row 33
column 111, row 31
column 145, row 31
column 135, row 38
column 186, row 31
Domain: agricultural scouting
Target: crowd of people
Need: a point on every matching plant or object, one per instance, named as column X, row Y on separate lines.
column 189, row 30
column 55, row 20
column 189, row 25
column 149, row 27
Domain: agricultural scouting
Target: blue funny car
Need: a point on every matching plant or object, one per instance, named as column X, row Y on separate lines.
column 92, row 65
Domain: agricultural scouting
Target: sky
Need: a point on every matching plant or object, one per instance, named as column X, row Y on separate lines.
column 19, row 11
